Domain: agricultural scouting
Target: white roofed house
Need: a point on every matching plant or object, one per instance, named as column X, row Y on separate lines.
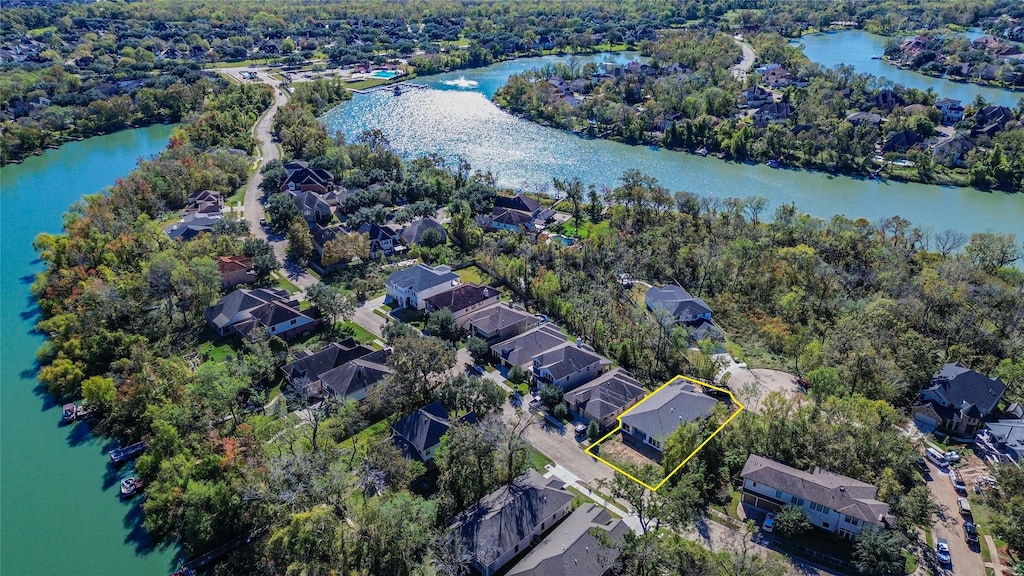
column 834, row 503
column 411, row 287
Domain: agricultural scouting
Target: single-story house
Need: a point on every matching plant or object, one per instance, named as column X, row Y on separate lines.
column 418, row 435
column 205, row 202
column 498, row 322
column 774, row 113
column 952, row 151
column 901, row 141
column 410, row 288
column 957, row 400
column 567, row 366
column 606, row 397
column 511, row 220
column 304, row 373
column 835, row 503
column 519, row 202
column 586, row 543
column 190, row 226
column 235, row 270
column 654, row 419
column 413, row 232
column 678, row 302
column 354, row 378
column 993, row 115
column 463, row 299
column 858, row 118
column 520, row 350
column 504, row 523
column 243, row 310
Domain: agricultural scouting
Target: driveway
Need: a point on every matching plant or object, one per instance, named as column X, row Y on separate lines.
column 949, row 525
column 365, row 317
column 752, row 385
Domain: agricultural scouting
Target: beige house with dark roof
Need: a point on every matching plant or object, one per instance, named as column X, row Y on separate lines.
column 833, row 502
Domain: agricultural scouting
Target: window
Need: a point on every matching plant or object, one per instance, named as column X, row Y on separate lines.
column 824, row 524
column 820, row 508
column 796, row 501
column 778, row 494
column 294, row 321
column 853, row 521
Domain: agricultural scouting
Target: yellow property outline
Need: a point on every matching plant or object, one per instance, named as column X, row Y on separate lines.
column 740, row 408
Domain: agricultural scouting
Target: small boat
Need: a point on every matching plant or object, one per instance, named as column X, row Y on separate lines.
column 702, row 151
column 129, row 486
column 120, row 455
column 876, row 57
column 398, row 90
column 70, row 413
column 772, row 163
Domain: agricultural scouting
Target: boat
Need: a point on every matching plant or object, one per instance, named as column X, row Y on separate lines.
column 129, row 486
column 120, row 455
column 772, row 163
column 702, row 151
column 70, row 413
column 398, row 90
column 876, row 57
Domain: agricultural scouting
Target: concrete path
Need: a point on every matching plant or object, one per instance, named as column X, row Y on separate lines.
column 365, row 317
column 740, row 70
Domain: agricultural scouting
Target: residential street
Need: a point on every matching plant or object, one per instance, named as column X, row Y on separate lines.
column 740, row 70
column 949, row 525
column 365, row 317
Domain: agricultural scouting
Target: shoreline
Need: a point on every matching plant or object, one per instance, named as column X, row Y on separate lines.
column 82, row 138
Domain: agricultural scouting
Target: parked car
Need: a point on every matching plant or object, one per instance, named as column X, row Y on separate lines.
column 769, row 523
column 477, row 369
column 942, row 551
column 958, row 481
column 537, row 404
column 970, row 533
column 964, row 506
column 952, row 456
column 922, row 465
column 581, row 429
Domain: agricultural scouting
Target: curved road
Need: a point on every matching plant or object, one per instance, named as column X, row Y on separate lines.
column 740, row 70
column 269, row 150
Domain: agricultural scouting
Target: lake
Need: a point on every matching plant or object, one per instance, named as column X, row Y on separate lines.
column 455, row 117
column 60, row 509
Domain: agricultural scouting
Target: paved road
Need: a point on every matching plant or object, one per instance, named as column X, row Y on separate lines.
column 365, row 317
column 740, row 70
column 949, row 525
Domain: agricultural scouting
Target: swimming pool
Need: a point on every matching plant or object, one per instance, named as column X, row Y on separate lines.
column 386, row 74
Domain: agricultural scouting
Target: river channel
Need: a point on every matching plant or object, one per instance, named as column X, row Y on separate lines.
column 454, row 116
column 59, row 507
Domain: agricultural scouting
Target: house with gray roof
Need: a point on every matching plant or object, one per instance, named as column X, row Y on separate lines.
column 567, row 366
column 520, row 350
column 191, row 225
column 410, row 288
column 585, row 544
column 353, row 379
column 511, row 220
column 314, row 208
column 1007, row 436
column 498, row 322
column 654, row 419
column 418, row 435
column 834, row 503
column 518, row 202
column 243, row 310
column 606, row 397
column 463, row 299
column 677, row 301
column 957, row 400
column 304, row 373
column 413, row 232
column 504, row 523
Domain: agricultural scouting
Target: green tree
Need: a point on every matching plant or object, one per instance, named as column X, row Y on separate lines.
column 879, row 552
column 99, row 393
column 791, row 522
column 517, row 375
column 300, row 241
column 331, row 302
column 444, row 325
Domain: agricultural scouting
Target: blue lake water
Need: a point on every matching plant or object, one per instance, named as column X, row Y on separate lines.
column 60, row 512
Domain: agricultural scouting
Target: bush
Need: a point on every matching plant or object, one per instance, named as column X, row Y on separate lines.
column 792, row 521
column 517, row 375
column 593, row 430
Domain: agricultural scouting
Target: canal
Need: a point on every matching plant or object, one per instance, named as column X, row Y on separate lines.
column 455, row 117
column 60, row 512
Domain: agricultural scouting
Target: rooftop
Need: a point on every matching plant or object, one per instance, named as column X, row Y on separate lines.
column 661, row 414
column 573, row 548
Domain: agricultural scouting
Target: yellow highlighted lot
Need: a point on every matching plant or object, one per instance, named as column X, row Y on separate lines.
column 735, row 402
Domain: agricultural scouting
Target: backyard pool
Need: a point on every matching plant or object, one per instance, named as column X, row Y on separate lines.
column 385, row 74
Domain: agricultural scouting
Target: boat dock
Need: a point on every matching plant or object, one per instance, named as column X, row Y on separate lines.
column 398, row 88
column 201, row 562
column 121, row 455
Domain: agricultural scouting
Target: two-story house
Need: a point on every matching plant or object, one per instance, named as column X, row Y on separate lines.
column 606, row 397
column 243, row 310
column 504, row 523
column 655, row 418
column 498, row 322
column 957, row 400
column 303, row 178
column 755, row 97
column 519, row 350
column 410, row 288
column 952, row 111
column 567, row 366
column 303, row 374
column 463, row 299
column 587, row 543
column 835, row 503
column 384, row 240
column 235, row 270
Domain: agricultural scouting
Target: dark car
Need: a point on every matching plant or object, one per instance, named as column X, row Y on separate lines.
column 970, row 533
column 922, row 465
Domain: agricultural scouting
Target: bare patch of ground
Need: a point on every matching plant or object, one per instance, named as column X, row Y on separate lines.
column 752, row 385
column 619, row 453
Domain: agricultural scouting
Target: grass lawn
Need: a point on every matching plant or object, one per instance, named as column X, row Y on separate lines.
column 474, row 275
column 539, row 461
column 730, row 508
column 362, row 335
column 587, row 229
column 910, row 562
column 255, row 62
column 368, row 435
column 40, row 31
column 368, row 83
column 238, row 196
column 217, row 353
column 285, row 284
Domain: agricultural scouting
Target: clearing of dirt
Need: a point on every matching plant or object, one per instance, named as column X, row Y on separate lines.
column 752, row 385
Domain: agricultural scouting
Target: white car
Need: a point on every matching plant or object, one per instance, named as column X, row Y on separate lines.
column 769, row 523
column 942, row 551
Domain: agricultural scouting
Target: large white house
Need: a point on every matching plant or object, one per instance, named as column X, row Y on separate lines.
column 833, row 502
column 411, row 287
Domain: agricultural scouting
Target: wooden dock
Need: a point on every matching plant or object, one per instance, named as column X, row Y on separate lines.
column 399, row 86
